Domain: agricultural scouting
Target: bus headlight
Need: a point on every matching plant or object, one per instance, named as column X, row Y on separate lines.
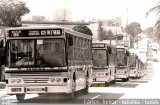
column 18, row 80
column 12, row 80
column 58, row 79
column 52, row 80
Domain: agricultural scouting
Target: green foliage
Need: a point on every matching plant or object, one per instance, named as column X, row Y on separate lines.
column 156, row 32
column 149, row 32
column 107, row 35
column 11, row 12
column 83, row 29
column 133, row 29
column 104, row 34
column 155, row 9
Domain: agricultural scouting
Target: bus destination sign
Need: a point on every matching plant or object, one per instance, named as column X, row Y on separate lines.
column 120, row 49
column 34, row 33
column 98, row 45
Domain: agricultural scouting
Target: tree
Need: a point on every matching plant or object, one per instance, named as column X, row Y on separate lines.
column 149, row 32
column 104, row 34
column 155, row 9
column 156, row 32
column 107, row 35
column 133, row 29
column 83, row 29
column 11, row 12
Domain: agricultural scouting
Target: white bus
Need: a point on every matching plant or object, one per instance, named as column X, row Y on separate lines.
column 47, row 59
column 104, row 63
column 134, row 65
column 122, row 63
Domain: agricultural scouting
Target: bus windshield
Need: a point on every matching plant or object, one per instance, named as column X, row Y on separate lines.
column 39, row 53
column 100, row 58
column 132, row 61
column 121, row 59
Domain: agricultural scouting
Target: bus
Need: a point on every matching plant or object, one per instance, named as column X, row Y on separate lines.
column 133, row 63
column 47, row 59
column 141, row 68
column 122, row 63
column 104, row 63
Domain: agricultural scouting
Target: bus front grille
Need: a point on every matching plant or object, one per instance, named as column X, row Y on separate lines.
column 35, row 80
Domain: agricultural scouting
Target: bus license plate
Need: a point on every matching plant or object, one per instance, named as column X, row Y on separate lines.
column 35, row 89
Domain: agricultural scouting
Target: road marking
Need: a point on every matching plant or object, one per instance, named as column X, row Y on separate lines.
column 95, row 96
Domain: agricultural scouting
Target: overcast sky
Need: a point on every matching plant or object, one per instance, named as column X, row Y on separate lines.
column 103, row 9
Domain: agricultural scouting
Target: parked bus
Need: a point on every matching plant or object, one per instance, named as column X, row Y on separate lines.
column 133, row 64
column 47, row 59
column 104, row 63
column 122, row 63
column 141, row 68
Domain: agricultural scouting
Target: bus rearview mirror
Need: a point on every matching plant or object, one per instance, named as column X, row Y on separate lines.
column 70, row 41
column 127, row 53
column 109, row 50
column 1, row 44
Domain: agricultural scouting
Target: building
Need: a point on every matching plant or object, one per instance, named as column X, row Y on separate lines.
column 62, row 14
column 38, row 18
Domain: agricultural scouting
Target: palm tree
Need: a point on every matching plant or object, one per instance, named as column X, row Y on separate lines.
column 156, row 10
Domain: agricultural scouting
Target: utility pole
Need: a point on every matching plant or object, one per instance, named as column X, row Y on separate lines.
column 127, row 17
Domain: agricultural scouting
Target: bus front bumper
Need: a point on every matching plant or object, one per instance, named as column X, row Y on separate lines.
column 38, row 89
column 100, row 79
column 121, row 76
column 133, row 73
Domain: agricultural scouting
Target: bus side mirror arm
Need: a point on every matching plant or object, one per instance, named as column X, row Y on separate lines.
column 1, row 43
column 70, row 41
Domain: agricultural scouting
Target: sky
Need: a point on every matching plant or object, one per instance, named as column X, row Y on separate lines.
column 99, row 9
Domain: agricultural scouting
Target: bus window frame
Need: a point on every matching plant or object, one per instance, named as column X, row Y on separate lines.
column 35, row 51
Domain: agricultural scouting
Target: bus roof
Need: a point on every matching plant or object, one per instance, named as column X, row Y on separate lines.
column 104, row 42
column 52, row 27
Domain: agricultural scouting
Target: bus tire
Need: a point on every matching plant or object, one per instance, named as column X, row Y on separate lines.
column 107, row 84
column 86, row 90
column 114, row 81
column 20, row 97
column 2, row 73
column 73, row 94
column 127, row 79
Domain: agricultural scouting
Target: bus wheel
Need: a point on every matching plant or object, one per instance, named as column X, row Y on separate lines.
column 107, row 84
column 20, row 97
column 87, row 85
column 114, row 81
column 72, row 95
column 2, row 73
